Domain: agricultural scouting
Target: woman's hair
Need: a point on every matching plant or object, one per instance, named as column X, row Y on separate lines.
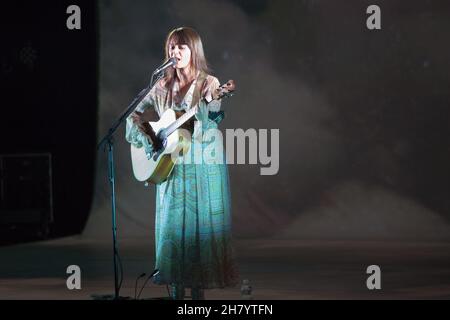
column 191, row 38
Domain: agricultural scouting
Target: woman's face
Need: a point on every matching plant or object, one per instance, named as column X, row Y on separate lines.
column 182, row 53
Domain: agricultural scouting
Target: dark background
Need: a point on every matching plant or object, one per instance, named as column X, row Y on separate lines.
column 49, row 85
column 363, row 115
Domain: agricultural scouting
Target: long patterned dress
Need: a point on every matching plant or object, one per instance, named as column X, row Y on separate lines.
column 193, row 213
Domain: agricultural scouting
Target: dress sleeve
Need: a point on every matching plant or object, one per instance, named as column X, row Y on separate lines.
column 132, row 133
column 208, row 108
column 211, row 85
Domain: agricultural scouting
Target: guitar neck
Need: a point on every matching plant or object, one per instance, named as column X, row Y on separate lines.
column 181, row 120
column 223, row 91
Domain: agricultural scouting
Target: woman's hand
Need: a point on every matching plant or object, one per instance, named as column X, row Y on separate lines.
column 142, row 119
column 146, row 116
column 202, row 112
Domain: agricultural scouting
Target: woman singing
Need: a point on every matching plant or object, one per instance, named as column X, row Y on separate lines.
column 193, row 214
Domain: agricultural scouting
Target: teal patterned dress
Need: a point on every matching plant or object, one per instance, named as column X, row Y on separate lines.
column 193, row 212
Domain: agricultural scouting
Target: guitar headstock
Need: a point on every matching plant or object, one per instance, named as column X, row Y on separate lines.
column 224, row 91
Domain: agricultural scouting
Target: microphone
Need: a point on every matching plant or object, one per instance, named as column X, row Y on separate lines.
column 171, row 62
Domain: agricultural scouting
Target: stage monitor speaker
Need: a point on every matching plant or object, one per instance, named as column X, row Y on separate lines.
column 26, row 195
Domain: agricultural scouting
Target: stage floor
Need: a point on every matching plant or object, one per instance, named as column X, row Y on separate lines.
column 277, row 269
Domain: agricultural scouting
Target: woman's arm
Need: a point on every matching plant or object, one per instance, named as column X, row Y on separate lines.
column 138, row 130
column 211, row 85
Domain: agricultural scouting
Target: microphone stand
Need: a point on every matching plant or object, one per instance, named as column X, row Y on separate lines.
column 108, row 142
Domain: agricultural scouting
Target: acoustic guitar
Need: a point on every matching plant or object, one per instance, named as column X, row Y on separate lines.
column 168, row 141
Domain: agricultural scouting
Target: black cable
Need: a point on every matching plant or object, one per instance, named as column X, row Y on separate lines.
column 139, row 295
column 121, row 271
column 154, row 273
column 136, row 282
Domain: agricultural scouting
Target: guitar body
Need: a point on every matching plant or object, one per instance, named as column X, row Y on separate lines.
column 158, row 168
